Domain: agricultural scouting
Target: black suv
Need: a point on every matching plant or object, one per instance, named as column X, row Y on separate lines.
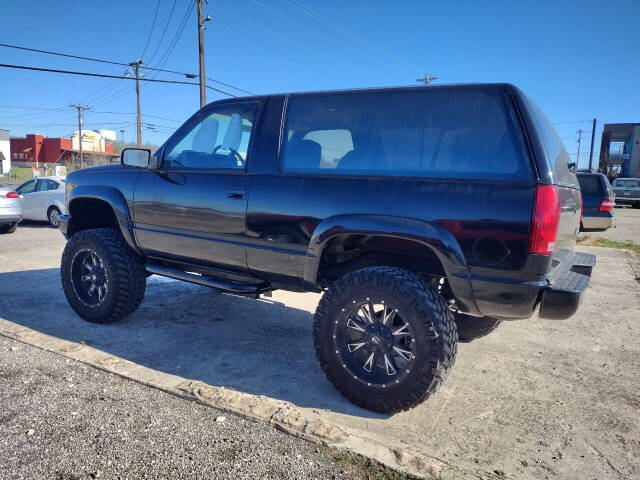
column 424, row 214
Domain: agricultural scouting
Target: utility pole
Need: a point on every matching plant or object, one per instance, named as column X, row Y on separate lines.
column 578, row 157
column 136, row 66
column 201, row 22
column 593, row 136
column 80, row 109
column 122, row 136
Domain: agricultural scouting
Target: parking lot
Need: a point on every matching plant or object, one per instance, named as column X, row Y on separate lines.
column 535, row 399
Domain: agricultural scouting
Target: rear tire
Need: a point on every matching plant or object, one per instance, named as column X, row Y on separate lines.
column 53, row 216
column 102, row 277
column 471, row 328
column 8, row 227
column 394, row 381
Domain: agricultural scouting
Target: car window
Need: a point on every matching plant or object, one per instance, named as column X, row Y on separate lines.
column 626, row 183
column 27, row 187
column 51, row 185
column 423, row 132
column 552, row 144
column 591, row 185
column 218, row 140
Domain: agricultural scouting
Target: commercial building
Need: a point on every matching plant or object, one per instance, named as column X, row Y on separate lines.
column 620, row 150
column 92, row 141
column 36, row 149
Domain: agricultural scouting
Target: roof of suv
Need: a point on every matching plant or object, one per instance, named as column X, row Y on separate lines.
column 376, row 89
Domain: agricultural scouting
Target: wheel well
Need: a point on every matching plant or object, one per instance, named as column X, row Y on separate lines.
column 52, row 207
column 346, row 253
column 89, row 213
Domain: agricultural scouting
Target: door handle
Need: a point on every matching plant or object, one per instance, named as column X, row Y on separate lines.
column 237, row 193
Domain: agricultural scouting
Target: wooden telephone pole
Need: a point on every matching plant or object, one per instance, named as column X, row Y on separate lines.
column 80, row 109
column 201, row 22
column 136, row 67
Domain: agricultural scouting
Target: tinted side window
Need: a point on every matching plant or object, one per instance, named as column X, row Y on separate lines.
column 27, row 187
column 553, row 145
column 432, row 132
column 591, row 185
column 51, row 185
column 218, row 140
column 618, row 183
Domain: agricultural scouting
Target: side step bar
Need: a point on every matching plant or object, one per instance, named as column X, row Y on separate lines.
column 238, row 289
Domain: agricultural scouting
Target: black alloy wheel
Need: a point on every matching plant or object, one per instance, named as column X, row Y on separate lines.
column 89, row 277
column 374, row 342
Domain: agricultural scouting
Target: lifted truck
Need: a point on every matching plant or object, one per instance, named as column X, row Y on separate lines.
column 425, row 215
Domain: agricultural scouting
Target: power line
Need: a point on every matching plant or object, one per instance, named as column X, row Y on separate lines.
column 577, row 121
column 286, row 39
column 100, row 60
column 305, row 27
column 104, row 75
column 153, row 24
column 165, row 57
column 164, row 31
column 309, row 11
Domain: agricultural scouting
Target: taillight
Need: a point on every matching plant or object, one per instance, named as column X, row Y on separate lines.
column 606, row 205
column 581, row 208
column 546, row 216
column 12, row 195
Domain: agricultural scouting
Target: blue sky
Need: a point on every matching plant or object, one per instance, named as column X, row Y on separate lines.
column 578, row 59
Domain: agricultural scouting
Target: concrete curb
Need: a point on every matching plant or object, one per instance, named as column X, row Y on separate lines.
column 302, row 422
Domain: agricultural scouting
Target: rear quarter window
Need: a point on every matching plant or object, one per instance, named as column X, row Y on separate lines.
column 591, row 185
column 428, row 132
column 552, row 144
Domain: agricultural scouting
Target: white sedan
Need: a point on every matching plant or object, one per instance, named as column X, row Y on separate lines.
column 43, row 199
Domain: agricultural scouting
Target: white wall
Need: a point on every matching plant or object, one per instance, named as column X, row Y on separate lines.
column 91, row 141
column 5, row 148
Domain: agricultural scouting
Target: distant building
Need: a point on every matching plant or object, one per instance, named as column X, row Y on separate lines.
column 109, row 135
column 626, row 161
column 36, row 148
column 92, row 141
column 5, row 151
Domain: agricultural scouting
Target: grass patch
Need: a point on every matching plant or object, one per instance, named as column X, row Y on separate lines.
column 20, row 174
column 604, row 242
column 369, row 469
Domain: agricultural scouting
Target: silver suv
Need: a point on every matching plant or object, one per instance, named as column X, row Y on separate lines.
column 627, row 191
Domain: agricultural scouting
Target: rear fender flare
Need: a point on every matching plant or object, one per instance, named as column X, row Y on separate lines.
column 115, row 199
column 433, row 236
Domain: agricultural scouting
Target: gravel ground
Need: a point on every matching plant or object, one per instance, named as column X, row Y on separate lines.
column 60, row 419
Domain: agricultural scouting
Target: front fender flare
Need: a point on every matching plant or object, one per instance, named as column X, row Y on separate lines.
column 114, row 198
column 433, row 236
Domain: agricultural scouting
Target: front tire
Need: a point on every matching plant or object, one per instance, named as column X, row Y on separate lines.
column 102, row 277
column 53, row 216
column 384, row 338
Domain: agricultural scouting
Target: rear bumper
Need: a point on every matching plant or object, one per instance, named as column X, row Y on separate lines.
column 10, row 218
column 620, row 200
column 598, row 223
column 558, row 295
column 561, row 299
column 64, row 225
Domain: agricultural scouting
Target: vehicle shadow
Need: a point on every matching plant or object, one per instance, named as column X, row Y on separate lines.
column 34, row 224
column 255, row 346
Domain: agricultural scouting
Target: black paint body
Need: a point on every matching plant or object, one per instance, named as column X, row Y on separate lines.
column 267, row 226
